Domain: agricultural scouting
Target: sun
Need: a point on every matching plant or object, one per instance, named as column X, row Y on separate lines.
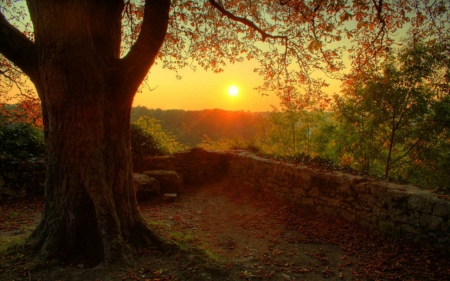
column 233, row 91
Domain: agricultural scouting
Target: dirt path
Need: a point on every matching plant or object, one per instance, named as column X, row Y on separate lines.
column 246, row 234
column 228, row 233
column 262, row 238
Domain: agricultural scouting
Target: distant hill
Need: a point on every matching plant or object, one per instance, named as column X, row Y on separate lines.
column 189, row 126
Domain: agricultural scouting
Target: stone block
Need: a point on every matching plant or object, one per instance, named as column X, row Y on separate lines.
column 326, row 210
column 333, row 202
column 367, row 198
column 307, row 202
column 366, row 219
column 431, row 222
column 343, row 188
column 145, row 186
column 404, row 216
column 378, row 189
column 346, row 214
column 362, row 187
column 380, row 213
column 410, row 229
column 169, row 181
column 313, row 191
column 442, row 209
column 299, row 191
column 421, row 203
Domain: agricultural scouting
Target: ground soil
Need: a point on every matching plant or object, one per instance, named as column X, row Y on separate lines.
column 225, row 232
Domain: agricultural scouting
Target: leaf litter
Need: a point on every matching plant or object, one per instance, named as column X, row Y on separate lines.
column 228, row 232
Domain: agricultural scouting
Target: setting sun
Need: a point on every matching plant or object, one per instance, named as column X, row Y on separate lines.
column 233, row 91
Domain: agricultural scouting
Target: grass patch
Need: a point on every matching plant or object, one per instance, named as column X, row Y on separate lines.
column 11, row 249
column 212, row 257
column 187, row 243
column 13, row 215
column 6, row 244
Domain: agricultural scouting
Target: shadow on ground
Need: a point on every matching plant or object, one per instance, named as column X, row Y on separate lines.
column 228, row 233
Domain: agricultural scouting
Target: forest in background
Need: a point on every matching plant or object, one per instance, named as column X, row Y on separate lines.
column 189, row 127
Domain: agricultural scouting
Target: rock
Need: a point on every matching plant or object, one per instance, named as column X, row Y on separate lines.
column 145, row 186
column 169, row 181
column 169, row 197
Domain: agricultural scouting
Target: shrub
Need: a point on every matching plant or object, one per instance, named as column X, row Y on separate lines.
column 20, row 142
column 144, row 144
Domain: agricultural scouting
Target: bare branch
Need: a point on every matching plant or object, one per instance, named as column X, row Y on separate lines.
column 245, row 21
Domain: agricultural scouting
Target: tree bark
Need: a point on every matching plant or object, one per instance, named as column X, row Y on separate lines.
column 86, row 92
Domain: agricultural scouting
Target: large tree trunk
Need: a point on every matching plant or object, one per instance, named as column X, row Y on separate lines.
column 90, row 205
column 87, row 92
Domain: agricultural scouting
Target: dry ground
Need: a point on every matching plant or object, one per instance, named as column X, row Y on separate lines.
column 227, row 233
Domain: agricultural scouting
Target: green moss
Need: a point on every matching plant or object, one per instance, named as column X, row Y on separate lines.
column 11, row 242
column 8, row 244
column 189, row 244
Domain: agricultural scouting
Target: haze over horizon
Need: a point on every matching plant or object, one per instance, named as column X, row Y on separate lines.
column 200, row 89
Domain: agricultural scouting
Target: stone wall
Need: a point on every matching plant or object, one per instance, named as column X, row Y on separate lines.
column 21, row 179
column 397, row 210
column 197, row 165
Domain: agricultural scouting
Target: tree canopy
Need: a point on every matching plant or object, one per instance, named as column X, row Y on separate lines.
column 292, row 40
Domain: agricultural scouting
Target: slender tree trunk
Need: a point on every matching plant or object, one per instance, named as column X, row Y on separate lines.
column 391, row 147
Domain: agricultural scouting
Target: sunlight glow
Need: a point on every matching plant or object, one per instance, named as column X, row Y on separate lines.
column 233, row 91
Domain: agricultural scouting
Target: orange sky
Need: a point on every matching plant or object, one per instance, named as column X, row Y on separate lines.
column 207, row 90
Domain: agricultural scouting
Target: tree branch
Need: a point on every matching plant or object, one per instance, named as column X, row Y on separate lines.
column 105, row 27
column 17, row 48
column 136, row 64
column 245, row 21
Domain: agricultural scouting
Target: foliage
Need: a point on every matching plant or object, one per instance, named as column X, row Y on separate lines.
column 21, row 136
column 291, row 40
column 21, row 142
column 228, row 144
column 292, row 132
column 391, row 121
column 149, row 137
column 386, row 117
column 143, row 144
column 432, row 159
column 299, row 38
column 190, row 125
column 27, row 110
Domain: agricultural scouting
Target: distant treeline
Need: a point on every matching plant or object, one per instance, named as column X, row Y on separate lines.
column 188, row 126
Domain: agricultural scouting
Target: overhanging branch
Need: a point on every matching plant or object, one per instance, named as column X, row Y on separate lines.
column 136, row 64
column 17, row 48
column 246, row 22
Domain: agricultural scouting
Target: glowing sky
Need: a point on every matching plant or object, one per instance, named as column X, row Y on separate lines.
column 206, row 90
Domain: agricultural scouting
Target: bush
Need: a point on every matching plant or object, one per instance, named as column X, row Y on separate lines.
column 144, row 144
column 21, row 142
column 152, row 140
